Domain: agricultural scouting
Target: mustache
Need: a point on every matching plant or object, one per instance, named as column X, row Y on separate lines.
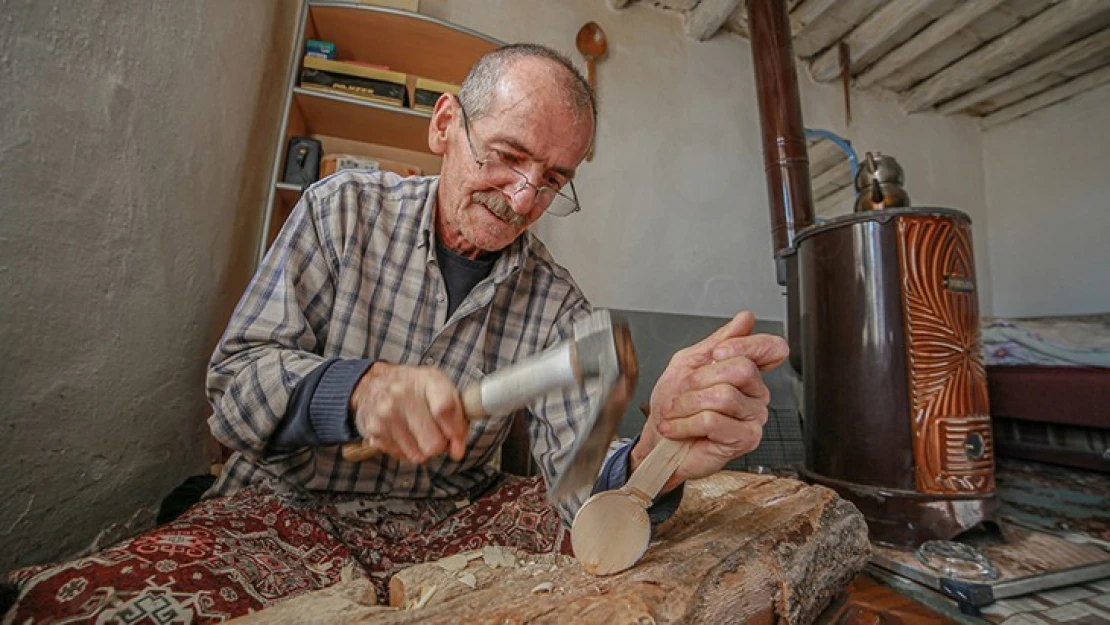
column 499, row 206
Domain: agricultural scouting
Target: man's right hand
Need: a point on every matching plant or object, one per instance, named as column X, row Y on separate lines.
column 410, row 413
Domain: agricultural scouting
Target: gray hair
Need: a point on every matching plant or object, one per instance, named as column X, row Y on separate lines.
column 477, row 91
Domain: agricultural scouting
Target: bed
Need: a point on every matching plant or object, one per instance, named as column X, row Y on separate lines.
column 1049, row 384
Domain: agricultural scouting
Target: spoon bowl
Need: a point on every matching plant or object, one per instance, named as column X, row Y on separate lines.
column 591, row 42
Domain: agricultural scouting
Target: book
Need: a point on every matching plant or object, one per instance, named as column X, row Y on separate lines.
column 338, row 162
column 320, row 49
column 361, row 80
column 426, row 91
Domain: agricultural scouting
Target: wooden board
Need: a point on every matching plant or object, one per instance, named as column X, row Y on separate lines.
column 742, row 548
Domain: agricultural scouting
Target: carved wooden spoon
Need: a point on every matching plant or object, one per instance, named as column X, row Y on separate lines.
column 593, row 46
column 612, row 530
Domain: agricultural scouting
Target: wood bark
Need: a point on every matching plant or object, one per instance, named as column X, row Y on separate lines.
column 741, row 548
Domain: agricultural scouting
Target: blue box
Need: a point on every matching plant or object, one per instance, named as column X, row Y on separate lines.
column 322, row 49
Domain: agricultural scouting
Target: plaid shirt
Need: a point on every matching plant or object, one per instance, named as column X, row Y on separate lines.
column 354, row 275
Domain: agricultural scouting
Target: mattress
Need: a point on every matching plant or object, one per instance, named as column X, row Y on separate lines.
column 1049, row 386
column 1047, row 341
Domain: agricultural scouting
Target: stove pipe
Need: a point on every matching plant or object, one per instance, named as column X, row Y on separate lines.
column 785, row 158
column 780, row 117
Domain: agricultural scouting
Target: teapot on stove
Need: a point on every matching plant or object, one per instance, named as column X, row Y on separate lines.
column 879, row 184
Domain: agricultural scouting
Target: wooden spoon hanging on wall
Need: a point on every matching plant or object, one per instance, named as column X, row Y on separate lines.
column 593, row 46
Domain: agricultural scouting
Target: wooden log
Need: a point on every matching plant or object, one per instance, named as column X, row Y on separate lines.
column 741, row 548
column 835, row 23
column 832, row 179
column 868, row 39
column 824, row 155
column 1074, row 53
column 926, row 40
column 738, row 21
column 1000, row 54
column 704, row 20
column 1073, row 87
column 807, row 12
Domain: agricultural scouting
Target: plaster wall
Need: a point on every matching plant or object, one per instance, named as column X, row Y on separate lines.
column 135, row 142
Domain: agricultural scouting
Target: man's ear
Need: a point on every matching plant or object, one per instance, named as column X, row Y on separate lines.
column 444, row 114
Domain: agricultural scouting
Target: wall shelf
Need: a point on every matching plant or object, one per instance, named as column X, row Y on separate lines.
column 337, row 115
column 412, row 43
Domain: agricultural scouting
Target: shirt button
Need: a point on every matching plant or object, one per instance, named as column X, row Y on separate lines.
column 429, row 361
column 440, row 298
column 404, row 482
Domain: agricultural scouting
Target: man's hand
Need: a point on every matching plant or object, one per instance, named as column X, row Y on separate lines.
column 410, row 413
column 712, row 393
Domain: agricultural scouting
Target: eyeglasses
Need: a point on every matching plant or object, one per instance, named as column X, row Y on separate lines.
column 553, row 195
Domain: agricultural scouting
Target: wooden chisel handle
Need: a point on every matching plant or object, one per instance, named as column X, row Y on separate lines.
column 503, row 391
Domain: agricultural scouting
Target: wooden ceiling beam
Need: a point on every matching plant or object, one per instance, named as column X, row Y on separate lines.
column 1073, row 87
column 808, row 12
column 869, row 36
column 824, row 155
column 832, row 26
column 738, row 21
column 705, row 19
column 926, row 40
column 831, row 179
column 1077, row 52
column 975, row 68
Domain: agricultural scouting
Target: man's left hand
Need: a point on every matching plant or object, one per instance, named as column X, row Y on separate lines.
column 713, row 394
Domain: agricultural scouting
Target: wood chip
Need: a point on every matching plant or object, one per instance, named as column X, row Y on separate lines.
column 544, row 587
column 498, row 557
column 453, row 563
column 425, row 596
column 469, row 580
column 349, row 573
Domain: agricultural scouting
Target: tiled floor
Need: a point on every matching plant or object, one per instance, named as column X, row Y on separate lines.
column 1055, row 500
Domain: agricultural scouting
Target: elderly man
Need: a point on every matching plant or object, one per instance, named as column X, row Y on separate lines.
column 382, row 297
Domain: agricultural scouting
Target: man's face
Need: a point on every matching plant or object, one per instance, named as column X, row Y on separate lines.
column 530, row 128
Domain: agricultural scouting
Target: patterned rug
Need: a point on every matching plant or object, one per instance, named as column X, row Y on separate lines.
column 230, row 555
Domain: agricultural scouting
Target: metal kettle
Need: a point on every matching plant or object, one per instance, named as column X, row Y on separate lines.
column 879, row 184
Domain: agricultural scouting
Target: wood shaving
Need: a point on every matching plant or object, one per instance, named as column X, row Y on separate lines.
column 425, row 595
column 469, row 580
column 497, row 557
column 543, row 588
column 453, row 563
column 348, row 573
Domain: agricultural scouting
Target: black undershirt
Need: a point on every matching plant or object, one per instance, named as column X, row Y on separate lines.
column 461, row 274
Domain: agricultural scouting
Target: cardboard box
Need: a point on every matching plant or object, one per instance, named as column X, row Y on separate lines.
column 426, row 91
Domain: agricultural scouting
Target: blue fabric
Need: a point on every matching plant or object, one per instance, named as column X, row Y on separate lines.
column 318, row 413
column 615, row 475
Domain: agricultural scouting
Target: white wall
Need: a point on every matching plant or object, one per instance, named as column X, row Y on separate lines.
column 135, row 143
column 675, row 214
column 1048, row 202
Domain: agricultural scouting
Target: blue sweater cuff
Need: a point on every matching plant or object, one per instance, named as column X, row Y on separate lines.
column 317, row 414
column 329, row 409
column 615, row 475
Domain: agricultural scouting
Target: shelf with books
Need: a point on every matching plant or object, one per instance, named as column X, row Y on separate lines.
column 426, row 50
column 412, row 43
